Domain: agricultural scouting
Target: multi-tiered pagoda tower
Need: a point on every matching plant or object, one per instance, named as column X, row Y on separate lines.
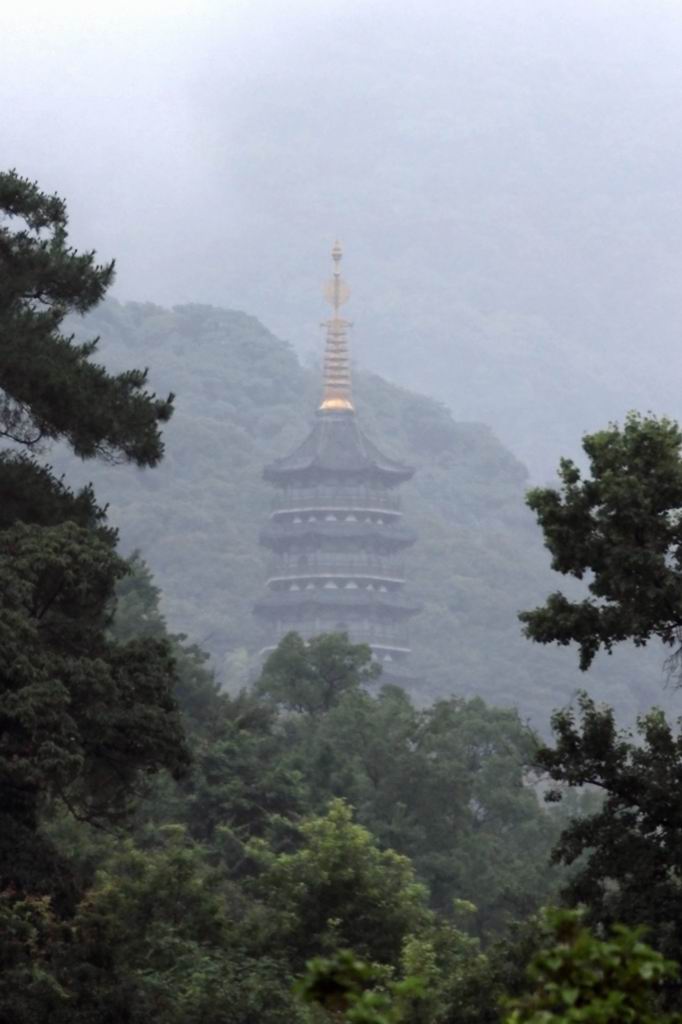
column 336, row 531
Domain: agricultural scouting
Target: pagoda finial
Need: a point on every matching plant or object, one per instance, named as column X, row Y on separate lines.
column 337, row 385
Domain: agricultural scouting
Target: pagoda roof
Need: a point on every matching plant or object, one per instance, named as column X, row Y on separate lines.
column 337, row 445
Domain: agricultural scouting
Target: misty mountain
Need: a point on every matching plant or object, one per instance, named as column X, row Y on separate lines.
column 244, row 398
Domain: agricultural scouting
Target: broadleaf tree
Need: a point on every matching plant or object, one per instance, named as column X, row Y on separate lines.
column 579, row 978
column 619, row 529
column 628, row 854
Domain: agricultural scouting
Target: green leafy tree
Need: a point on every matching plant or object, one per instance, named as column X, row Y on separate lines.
column 83, row 720
column 435, row 986
column 378, row 953
column 242, row 783
column 444, row 785
column 161, row 936
column 31, row 990
column 622, row 530
column 629, row 853
column 137, row 616
column 339, row 890
column 356, row 991
column 311, row 676
column 168, row 938
column 239, row 781
column 580, row 979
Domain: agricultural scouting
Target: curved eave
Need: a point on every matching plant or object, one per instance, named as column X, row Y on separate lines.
column 389, row 648
column 337, row 510
column 337, row 447
column 377, row 648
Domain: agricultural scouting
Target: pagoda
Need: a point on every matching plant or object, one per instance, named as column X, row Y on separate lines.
column 336, row 530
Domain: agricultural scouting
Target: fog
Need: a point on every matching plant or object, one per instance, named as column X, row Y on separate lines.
column 504, row 177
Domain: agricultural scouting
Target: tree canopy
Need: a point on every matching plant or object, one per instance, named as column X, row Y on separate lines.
column 628, row 851
column 49, row 386
column 579, row 978
column 621, row 530
column 311, row 677
column 84, row 719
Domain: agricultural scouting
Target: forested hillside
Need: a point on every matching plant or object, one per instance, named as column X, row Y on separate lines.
column 243, row 398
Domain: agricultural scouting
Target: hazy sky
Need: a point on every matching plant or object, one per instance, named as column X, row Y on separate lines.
column 505, row 177
column 143, row 115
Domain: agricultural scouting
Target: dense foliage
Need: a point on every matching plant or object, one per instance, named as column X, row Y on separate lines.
column 222, row 884
column 50, row 387
column 574, row 977
column 581, row 979
column 231, row 878
column 83, row 719
column 443, row 784
column 622, row 529
column 629, row 851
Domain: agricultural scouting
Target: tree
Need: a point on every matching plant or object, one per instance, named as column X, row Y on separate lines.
column 138, row 616
column 166, row 937
column 310, row 676
column 443, row 785
column 241, row 782
column 161, row 936
column 580, row 979
column 49, row 388
column 339, row 890
column 84, row 719
column 622, row 529
column 629, row 853
column 31, row 991
column 345, row 985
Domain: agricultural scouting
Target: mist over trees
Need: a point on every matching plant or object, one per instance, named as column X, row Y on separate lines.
column 168, row 852
column 171, row 852
column 245, row 399
column 190, row 834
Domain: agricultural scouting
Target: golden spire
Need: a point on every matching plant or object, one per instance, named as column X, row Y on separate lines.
column 337, row 390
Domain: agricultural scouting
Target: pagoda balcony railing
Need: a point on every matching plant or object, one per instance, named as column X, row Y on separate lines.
column 336, row 565
column 378, row 635
column 330, row 498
